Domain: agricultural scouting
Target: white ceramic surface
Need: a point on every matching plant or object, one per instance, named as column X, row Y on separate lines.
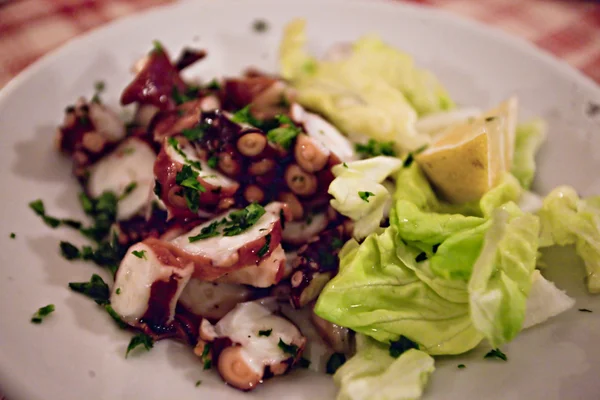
column 78, row 353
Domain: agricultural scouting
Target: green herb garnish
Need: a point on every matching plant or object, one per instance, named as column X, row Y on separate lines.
column 206, row 232
column 285, row 134
column 401, row 345
column 198, row 383
column 213, row 85
column 373, row 148
column 260, row 26
column 241, row 220
column 140, row 339
column 43, row 312
column 585, row 310
column 266, row 332
column 128, row 189
column 205, row 356
column 365, row 195
column 337, row 243
column 213, row 161
column 462, row 366
column 335, row 361
column 265, row 249
column 195, row 133
column 175, row 144
column 422, row 256
column 496, row 353
column 290, row 349
column 69, row 251
column 118, row 291
column 13, row 235
column 99, row 87
column 96, row 289
column 140, row 254
column 113, row 314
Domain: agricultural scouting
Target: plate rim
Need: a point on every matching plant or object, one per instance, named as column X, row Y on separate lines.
column 524, row 46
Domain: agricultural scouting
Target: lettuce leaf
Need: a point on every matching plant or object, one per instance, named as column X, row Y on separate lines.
column 566, row 219
column 376, row 294
column 529, row 138
column 372, row 374
column 545, row 301
column 501, row 276
column 358, row 193
column 376, row 91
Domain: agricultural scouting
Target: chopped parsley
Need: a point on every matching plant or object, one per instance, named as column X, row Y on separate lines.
column 140, row 339
column 462, row 366
column 198, row 383
column 175, row 144
column 266, row 332
column 585, row 310
column 195, row 133
column 411, row 156
column 496, row 353
column 206, row 232
column 260, row 26
column 182, row 97
column 244, row 116
column 213, row 85
column 337, row 243
column 365, row 195
column 99, row 87
column 303, row 363
column 205, row 357
column 140, row 254
column 69, row 251
column 265, row 249
column 345, row 165
column 118, row 291
column 335, row 361
column 128, row 189
column 187, row 178
column 43, row 312
column 422, row 256
column 290, row 349
column 213, row 161
column 285, row 134
column 157, row 46
column 38, row 207
column 373, row 148
column 13, row 235
column 96, row 289
column 401, row 345
column 113, row 314
column 241, row 220
column 490, row 119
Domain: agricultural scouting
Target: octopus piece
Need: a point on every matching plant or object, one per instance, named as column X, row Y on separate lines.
column 214, row 300
column 188, row 57
column 321, row 131
column 310, row 154
column 300, row 232
column 144, row 114
column 185, row 116
column 340, row 339
column 147, row 289
column 129, row 165
column 213, row 188
column 251, row 343
column 268, row 272
column 317, row 262
column 155, row 82
column 214, row 254
column 88, row 132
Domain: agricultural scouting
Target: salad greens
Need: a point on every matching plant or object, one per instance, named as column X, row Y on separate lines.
column 529, row 138
column 372, row 374
column 373, row 90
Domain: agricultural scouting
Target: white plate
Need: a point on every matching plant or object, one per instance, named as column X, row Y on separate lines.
column 78, row 353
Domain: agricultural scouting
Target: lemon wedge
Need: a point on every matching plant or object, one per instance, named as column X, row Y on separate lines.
column 467, row 160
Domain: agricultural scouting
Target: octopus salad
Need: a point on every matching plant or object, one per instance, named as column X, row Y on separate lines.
column 343, row 215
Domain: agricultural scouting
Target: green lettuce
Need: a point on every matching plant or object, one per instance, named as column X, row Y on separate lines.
column 545, row 301
column 566, row 219
column 529, row 138
column 376, row 91
column 375, row 293
column 372, row 374
column 501, row 278
column 358, row 192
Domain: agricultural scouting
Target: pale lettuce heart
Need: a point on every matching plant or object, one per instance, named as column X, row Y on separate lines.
column 358, row 192
column 566, row 219
column 501, row 278
column 529, row 138
column 372, row 374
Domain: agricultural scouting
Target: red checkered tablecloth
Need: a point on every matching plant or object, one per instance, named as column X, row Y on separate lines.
column 568, row 28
